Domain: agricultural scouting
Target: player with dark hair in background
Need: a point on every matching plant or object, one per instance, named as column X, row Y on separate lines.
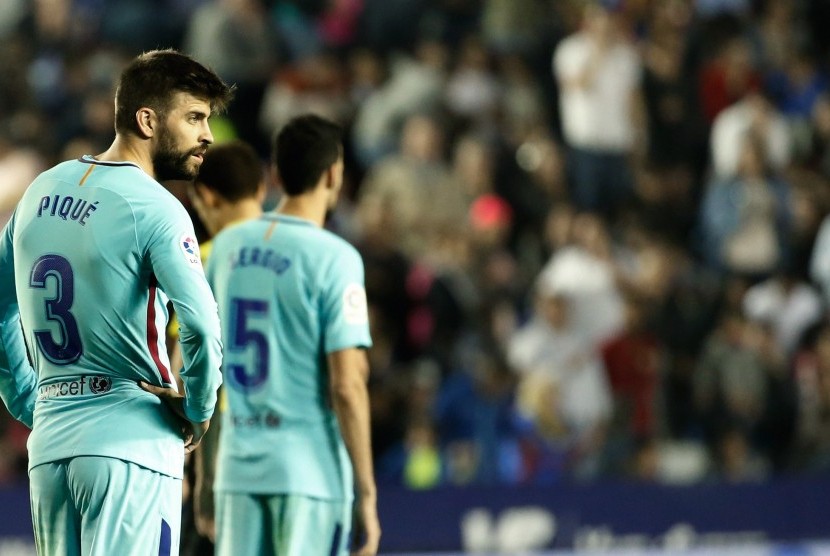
column 229, row 189
column 294, row 447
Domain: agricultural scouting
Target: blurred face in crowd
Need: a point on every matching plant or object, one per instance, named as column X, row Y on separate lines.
column 733, row 330
column 473, row 164
column 182, row 139
column 421, row 139
column 737, row 59
column 555, row 310
column 590, row 233
column 600, row 23
column 559, row 226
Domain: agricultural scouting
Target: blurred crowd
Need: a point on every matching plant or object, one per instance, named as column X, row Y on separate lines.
column 594, row 232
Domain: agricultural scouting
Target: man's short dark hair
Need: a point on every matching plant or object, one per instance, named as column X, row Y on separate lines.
column 305, row 148
column 153, row 78
column 233, row 170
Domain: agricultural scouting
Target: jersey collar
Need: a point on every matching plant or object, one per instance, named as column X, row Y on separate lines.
column 89, row 159
column 285, row 218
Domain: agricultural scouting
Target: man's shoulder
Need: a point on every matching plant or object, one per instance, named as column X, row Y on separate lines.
column 121, row 185
column 335, row 246
column 67, row 171
column 316, row 238
column 324, row 244
column 236, row 231
column 123, row 179
column 337, row 241
column 153, row 200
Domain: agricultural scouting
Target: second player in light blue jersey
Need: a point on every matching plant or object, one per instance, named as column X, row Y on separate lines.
column 294, row 446
column 230, row 189
column 93, row 252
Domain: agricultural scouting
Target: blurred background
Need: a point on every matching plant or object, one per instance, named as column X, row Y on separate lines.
column 594, row 233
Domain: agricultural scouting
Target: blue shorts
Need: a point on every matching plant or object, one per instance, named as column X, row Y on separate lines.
column 281, row 525
column 100, row 506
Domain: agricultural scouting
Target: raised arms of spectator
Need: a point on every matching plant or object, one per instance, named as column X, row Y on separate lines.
column 575, row 68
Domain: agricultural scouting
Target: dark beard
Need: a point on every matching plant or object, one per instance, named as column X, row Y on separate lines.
column 170, row 164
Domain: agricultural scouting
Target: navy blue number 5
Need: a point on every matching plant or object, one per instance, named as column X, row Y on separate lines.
column 241, row 337
column 68, row 349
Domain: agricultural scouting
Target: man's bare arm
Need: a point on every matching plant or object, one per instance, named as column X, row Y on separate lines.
column 348, row 373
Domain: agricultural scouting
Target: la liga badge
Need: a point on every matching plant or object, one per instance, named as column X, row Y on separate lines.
column 355, row 308
column 190, row 248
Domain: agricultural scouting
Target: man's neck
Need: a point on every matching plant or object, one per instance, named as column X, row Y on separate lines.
column 125, row 149
column 246, row 209
column 311, row 206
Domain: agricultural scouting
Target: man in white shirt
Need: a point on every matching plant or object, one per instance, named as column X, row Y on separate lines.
column 752, row 114
column 598, row 73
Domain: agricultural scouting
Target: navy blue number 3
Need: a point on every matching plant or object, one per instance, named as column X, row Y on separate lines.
column 68, row 349
column 241, row 336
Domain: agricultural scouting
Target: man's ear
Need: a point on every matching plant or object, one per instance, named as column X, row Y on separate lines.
column 331, row 177
column 147, row 121
column 275, row 176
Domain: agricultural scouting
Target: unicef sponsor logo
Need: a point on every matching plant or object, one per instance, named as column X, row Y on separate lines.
column 100, row 384
column 78, row 387
column 268, row 420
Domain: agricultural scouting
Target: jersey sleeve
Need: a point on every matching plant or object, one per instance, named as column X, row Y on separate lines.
column 18, row 380
column 174, row 255
column 345, row 310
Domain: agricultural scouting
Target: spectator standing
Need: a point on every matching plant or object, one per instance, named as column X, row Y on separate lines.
column 598, row 72
column 547, row 346
column 790, row 306
column 745, row 219
column 633, row 360
column 753, row 115
column 229, row 189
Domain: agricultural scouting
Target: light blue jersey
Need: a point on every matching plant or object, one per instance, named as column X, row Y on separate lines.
column 93, row 252
column 289, row 293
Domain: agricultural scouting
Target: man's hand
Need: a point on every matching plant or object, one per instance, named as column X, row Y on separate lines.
column 366, row 528
column 191, row 432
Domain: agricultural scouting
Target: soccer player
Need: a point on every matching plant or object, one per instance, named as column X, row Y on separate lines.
column 294, row 445
column 229, row 189
column 93, row 252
